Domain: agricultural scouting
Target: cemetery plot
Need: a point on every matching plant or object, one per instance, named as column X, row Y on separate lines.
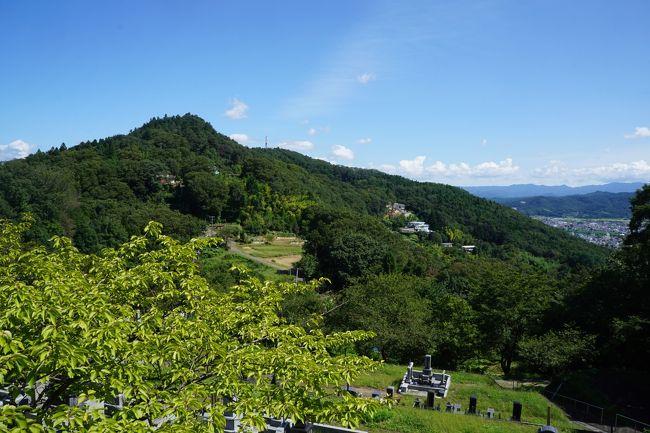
column 474, row 403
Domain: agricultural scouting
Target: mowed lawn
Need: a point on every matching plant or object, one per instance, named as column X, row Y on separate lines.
column 405, row 418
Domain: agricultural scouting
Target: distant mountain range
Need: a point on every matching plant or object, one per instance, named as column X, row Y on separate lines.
column 592, row 205
column 531, row 190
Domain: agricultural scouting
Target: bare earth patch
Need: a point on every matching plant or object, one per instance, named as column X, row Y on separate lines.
column 287, row 261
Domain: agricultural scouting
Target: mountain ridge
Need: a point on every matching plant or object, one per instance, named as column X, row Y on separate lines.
column 592, row 205
column 180, row 170
column 533, row 190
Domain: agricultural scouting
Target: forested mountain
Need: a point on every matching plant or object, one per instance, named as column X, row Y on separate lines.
column 592, row 205
column 180, row 171
column 520, row 294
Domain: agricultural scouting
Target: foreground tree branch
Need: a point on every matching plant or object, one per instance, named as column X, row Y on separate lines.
column 141, row 321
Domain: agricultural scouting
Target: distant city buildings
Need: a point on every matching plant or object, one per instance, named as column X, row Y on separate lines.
column 608, row 233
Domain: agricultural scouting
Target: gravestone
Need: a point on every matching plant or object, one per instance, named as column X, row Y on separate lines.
column 472, row 405
column 431, row 396
column 516, row 411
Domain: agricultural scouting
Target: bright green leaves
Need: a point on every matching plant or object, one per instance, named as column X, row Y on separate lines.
column 142, row 321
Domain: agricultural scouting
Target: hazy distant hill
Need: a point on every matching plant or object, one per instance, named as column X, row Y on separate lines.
column 531, row 190
column 180, row 171
column 592, row 205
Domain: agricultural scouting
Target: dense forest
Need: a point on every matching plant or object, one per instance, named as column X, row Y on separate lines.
column 592, row 205
column 530, row 298
column 180, row 171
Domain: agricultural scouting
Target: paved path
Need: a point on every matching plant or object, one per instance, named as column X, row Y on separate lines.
column 514, row 384
column 584, row 427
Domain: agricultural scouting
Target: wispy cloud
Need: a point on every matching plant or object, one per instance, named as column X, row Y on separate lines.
column 365, row 140
column 297, row 145
column 15, row 150
column 241, row 138
column 374, row 47
column 237, row 110
column 342, row 152
column 366, row 77
column 639, row 132
column 318, row 130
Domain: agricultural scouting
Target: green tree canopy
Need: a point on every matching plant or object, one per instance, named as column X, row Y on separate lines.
column 141, row 321
column 391, row 306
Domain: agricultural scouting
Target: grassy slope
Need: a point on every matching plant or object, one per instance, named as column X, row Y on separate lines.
column 271, row 250
column 404, row 418
column 222, row 259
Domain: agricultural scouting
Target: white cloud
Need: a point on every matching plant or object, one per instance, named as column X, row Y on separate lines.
column 439, row 170
column 342, row 152
column 237, row 110
column 312, row 131
column 494, row 169
column 15, row 150
column 241, row 138
column 297, row 145
column 365, row 140
column 639, row 132
column 553, row 169
column 558, row 172
column 413, row 167
column 484, row 142
column 639, row 170
column 366, row 77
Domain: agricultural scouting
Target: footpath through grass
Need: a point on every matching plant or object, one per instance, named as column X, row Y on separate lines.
column 404, row 418
column 216, row 267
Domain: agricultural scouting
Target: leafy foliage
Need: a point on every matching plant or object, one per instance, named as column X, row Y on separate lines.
column 180, row 171
column 554, row 352
column 390, row 306
column 614, row 303
column 141, row 321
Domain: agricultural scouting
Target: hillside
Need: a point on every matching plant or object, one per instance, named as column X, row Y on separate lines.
column 592, row 205
column 180, row 171
column 502, row 305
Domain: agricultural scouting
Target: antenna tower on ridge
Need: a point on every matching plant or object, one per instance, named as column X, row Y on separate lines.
column 266, row 142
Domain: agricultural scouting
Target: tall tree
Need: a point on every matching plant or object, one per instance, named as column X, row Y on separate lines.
column 510, row 303
column 390, row 305
column 141, row 321
column 639, row 238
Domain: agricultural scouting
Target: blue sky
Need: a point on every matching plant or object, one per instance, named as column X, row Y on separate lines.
column 465, row 92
